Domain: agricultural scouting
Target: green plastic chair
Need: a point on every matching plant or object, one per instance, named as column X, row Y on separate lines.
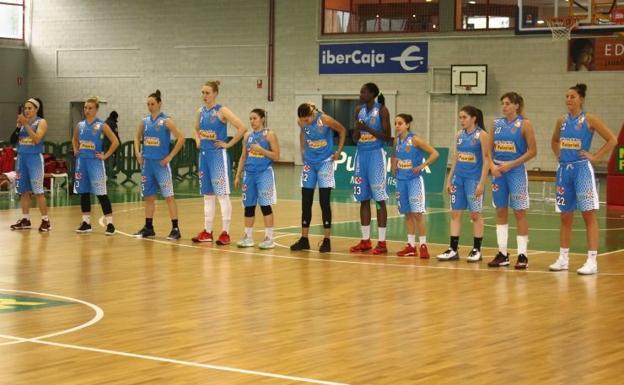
column 50, row 148
column 126, row 162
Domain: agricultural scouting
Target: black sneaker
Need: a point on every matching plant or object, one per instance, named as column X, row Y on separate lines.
column 84, row 228
column 522, row 263
column 22, row 224
column 145, row 232
column 110, row 229
column 45, row 226
column 174, row 235
column 500, row 260
column 302, row 244
column 325, row 246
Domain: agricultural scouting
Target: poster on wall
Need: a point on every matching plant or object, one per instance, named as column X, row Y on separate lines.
column 373, row 58
column 596, row 54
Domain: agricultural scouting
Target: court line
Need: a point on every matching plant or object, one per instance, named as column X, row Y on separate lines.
column 252, row 252
column 99, row 314
column 173, row 361
column 610, row 252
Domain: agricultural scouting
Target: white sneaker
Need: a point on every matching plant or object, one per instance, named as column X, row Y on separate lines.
column 474, row 256
column 245, row 242
column 559, row 265
column 589, row 268
column 448, row 255
column 266, row 244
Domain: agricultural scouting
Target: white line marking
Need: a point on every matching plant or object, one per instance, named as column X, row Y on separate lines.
column 99, row 314
column 172, row 361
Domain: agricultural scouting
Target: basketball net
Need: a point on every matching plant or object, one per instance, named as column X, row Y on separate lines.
column 561, row 27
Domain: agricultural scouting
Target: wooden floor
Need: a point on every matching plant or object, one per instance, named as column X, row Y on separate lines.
column 129, row 311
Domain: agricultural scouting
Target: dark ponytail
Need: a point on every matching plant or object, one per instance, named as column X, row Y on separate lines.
column 580, row 89
column 407, row 118
column 474, row 112
column 156, row 95
column 306, row 109
column 373, row 89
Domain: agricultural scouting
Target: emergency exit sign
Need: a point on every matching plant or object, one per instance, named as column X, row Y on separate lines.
column 619, row 159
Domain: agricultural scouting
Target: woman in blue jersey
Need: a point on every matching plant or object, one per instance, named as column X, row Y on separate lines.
column 513, row 144
column 316, row 140
column 151, row 146
column 576, row 182
column 260, row 150
column 466, row 180
column 371, row 133
column 90, row 173
column 407, row 165
column 29, row 164
column 214, row 169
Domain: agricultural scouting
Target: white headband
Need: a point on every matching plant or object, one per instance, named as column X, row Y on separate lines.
column 33, row 101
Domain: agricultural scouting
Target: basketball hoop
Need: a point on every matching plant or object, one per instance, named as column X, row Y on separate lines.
column 561, row 27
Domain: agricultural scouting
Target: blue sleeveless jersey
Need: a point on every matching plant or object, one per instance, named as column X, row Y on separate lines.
column 469, row 155
column 211, row 128
column 372, row 119
column 318, row 141
column 574, row 136
column 407, row 157
column 90, row 138
column 256, row 161
column 25, row 142
column 509, row 143
column 156, row 137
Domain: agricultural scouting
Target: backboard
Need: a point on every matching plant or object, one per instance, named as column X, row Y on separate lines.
column 468, row 79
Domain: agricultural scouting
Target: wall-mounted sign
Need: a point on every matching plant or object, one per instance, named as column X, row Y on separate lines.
column 373, row 58
column 596, row 54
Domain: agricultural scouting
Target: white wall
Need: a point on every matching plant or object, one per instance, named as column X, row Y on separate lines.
column 136, row 48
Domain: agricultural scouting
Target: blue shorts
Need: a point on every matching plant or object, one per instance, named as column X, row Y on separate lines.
column 318, row 173
column 511, row 189
column 29, row 169
column 155, row 177
column 259, row 188
column 576, row 187
column 410, row 195
column 90, row 176
column 463, row 194
column 214, row 172
column 369, row 178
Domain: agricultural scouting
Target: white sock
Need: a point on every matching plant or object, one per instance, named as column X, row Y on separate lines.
column 86, row 219
column 502, row 234
column 591, row 255
column 26, row 216
column 382, row 234
column 108, row 219
column 268, row 233
column 411, row 239
column 422, row 240
column 44, row 218
column 248, row 232
column 523, row 241
column 209, row 210
column 563, row 253
column 226, row 211
column 366, row 232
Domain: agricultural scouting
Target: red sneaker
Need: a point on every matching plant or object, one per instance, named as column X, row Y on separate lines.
column 364, row 245
column 408, row 251
column 204, row 236
column 424, row 252
column 380, row 248
column 224, row 239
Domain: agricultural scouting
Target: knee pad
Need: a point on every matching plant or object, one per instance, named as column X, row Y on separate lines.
column 266, row 210
column 250, row 211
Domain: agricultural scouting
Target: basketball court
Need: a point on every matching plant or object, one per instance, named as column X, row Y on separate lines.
column 92, row 309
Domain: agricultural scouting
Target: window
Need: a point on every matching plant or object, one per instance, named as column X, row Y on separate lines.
column 379, row 16
column 485, row 14
column 12, row 19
